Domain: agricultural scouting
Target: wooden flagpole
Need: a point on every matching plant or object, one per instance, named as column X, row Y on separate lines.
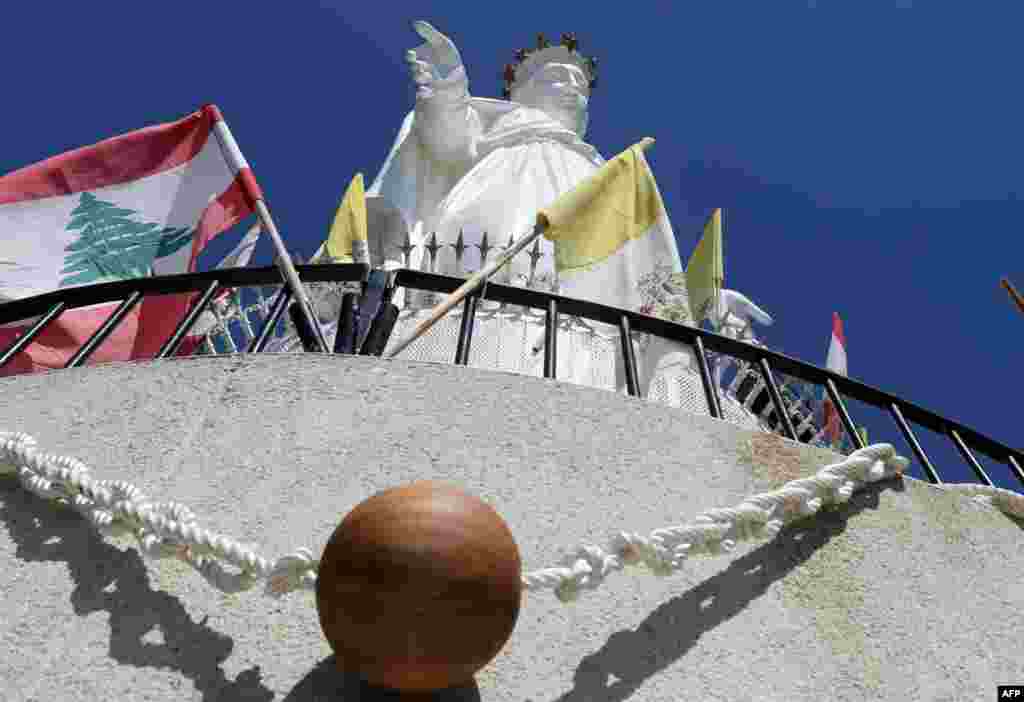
column 474, row 282
column 1014, row 295
column 466, row 288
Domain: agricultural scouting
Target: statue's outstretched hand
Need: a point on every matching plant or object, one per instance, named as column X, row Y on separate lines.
column 422, row 72
column 435, row 59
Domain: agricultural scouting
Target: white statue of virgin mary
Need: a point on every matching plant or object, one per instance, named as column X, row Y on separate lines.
column 481, row 169
column 472, row 165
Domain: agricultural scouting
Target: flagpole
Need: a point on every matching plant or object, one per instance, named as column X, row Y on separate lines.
column 466, row 288
column 721, row 255
column 291, row 276
column 449, row 302
column 1014, row 295
column 229, row 147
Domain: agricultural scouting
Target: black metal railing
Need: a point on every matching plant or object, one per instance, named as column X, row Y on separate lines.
column 49, row 306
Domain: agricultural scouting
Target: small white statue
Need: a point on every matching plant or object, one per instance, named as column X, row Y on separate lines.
column 734, row 317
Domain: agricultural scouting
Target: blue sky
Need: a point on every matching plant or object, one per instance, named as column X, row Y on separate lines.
column 868, row 156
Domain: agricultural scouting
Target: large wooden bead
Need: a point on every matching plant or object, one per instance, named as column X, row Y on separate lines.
column 419, row 587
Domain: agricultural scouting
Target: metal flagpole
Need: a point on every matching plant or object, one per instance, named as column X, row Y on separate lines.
column 291, row 276
column 1014, row 295
column 719, row 282
column 284, row 261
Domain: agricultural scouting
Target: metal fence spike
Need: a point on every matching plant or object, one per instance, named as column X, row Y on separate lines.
column 460, row 250
column 406, row 249
column 535, row 256
column 432, row 248
column 484, row 250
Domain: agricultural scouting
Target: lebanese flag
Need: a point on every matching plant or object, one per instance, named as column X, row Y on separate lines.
column 835, row 362
column 141, row 204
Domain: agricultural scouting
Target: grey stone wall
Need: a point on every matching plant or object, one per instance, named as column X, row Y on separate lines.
column 907, row 593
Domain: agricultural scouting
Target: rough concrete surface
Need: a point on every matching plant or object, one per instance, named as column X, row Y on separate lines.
column 907, row 593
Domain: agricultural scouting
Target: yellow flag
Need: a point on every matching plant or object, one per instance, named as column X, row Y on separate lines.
column 618, row 204
column 611, row 233
column 613, row 241
column 705, row 272
column 346, row 241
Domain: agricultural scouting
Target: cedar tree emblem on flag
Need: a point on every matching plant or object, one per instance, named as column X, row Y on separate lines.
column 113, row 244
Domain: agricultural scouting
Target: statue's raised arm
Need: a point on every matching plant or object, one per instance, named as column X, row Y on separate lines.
column 446, row 126
column 438, row 54
column 467, row 166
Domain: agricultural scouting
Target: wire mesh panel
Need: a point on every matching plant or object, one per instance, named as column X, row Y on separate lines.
column 806, row 404
column 676, row 382
column 505, row 340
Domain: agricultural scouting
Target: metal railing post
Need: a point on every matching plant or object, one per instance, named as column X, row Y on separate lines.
column 284, row 296
column 908, row 434
column 710, row 391
column 969, row 457
column 170, row 347
column 1015, row 466
column 307, row 334
column 551, row 339
column 780, row 408
column 844, row 416
column 466, row 329
column 109, row 324
column 628, row 356
column 348, row 324
column 31, row 333
column 383, row 322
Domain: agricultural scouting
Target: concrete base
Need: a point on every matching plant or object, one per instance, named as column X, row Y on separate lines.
column 907, row 593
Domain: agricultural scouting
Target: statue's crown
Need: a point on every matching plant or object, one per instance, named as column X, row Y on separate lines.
column 529, row 60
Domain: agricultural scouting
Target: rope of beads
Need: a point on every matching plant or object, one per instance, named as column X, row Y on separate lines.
column 171, row 530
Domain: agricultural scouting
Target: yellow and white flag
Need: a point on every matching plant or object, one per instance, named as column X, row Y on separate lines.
column 611, row 231
column 346, row 242
column 705, row 271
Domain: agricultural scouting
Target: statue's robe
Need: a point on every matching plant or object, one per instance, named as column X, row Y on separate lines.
column 473, row 165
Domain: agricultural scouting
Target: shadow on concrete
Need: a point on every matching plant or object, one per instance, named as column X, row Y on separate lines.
column 114, row 581
column 325, row 683
column 672, row 629
column 1019, row 521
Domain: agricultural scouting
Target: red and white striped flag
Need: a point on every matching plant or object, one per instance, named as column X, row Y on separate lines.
column 140, row 204
column 835, row 362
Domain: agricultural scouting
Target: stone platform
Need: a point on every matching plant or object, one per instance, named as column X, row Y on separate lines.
column 907, row 593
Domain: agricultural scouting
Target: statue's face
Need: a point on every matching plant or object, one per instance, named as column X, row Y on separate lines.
column 562, row 91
